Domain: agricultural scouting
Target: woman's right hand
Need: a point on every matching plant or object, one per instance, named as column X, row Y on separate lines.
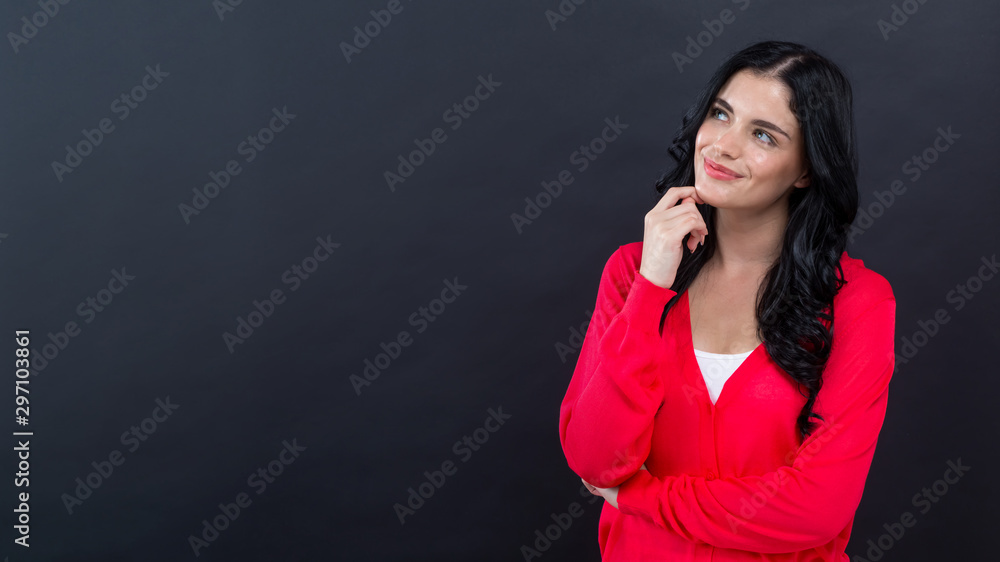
column 665, row 228
column 593, row 489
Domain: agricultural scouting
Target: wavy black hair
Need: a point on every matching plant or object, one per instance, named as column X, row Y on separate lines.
column 807, row 273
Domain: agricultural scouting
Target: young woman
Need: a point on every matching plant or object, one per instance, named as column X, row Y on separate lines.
column 728, row 398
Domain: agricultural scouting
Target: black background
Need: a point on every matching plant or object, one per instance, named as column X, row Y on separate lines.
column 495, row 345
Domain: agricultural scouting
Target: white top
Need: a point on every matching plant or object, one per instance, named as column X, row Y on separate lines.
column 716, row 368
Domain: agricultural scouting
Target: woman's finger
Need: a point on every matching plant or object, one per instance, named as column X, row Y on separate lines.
column 673, row 195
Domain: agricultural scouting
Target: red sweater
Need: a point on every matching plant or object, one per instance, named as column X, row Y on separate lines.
column 730, row 480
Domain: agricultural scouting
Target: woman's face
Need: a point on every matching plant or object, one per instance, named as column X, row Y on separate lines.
column 751, row 132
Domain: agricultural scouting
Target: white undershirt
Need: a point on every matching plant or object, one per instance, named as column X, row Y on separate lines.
column 717, row 368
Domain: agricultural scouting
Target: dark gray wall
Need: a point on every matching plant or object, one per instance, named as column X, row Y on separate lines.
column 212, row 81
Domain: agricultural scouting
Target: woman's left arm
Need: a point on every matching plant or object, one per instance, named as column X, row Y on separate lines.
column 804, row 505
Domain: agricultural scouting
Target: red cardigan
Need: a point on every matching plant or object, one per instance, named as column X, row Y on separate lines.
column 731, row 480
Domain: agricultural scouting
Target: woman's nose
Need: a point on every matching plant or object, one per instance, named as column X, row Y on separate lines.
column 725, row 145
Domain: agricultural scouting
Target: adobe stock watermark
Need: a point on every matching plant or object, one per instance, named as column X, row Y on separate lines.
column 364, row 34
column 258, row 480
column 132, row 438
column 225, row 7
column 582, row 157
column 249, row 149
column 577, row 335
column 913, row 168
column 566, row 8
column 88, row 309
column 421, row 320
column 898, row 17
column 293, row 277
column 456, row 115
column 122, row 106
column 767, row 487
column 925, row 499
column 463, row 448
column 697, row 44
column 30, row 27
column 545, row 537
column 958, row 297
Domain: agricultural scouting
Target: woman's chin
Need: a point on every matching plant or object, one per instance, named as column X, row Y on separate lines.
column 708, row 193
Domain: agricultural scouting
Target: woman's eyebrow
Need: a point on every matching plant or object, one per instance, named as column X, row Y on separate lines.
column 757, row 122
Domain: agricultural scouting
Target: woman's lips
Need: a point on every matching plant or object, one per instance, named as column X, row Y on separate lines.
column 719, row 172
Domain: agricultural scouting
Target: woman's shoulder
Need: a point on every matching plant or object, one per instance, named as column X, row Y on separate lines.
column 630, row 254
column 863, row 288
column 625, row 259
column 624, row 262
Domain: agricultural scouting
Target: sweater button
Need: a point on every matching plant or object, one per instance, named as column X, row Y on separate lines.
column 711, row 476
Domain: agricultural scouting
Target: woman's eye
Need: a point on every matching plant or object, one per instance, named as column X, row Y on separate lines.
column 766, row 137
column 717, row 112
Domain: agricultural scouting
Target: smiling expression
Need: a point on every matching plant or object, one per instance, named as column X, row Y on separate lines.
column 749, row 151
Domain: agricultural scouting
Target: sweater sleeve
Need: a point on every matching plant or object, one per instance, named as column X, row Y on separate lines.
column 606, row 416
column 810, row 502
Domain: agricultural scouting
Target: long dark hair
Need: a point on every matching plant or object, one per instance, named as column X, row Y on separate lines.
column 795, row 310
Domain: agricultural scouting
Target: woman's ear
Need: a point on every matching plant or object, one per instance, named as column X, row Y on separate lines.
column 803, row 180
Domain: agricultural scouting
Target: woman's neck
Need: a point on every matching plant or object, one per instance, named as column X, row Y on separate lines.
column 747, row 243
